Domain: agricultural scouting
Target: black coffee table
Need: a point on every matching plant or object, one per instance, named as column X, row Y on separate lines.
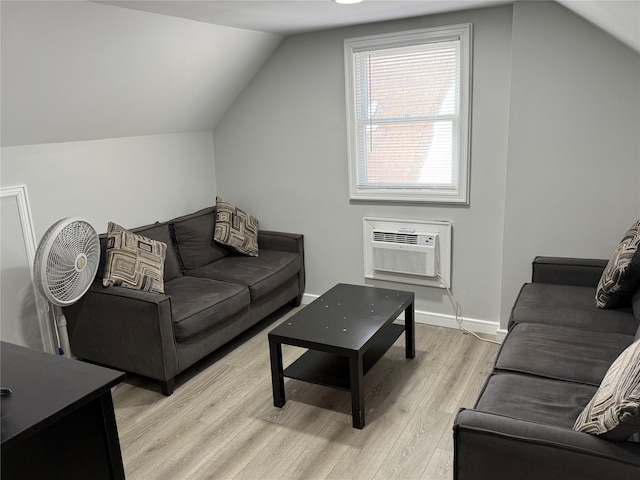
column 347, row 330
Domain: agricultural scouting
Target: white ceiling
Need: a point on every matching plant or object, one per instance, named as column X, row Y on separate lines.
column 620, row 18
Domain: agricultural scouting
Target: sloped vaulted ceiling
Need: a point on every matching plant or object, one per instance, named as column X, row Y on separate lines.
column 620, row 18
column 85, row 70
column 75, row 71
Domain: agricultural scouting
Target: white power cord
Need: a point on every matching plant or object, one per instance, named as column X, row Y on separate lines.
column 457, row 308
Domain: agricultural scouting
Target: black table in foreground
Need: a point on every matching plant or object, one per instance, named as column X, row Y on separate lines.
column 347, row 330
column 58, row 422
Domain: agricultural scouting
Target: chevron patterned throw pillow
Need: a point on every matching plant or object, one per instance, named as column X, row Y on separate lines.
column 621, row 276
column 236, row 229
column 133, row 261
column 614, row 411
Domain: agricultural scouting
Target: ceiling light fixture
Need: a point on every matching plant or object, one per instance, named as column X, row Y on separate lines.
column 347, row 2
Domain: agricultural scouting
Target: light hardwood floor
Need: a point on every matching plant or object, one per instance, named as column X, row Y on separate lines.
column 221, row 423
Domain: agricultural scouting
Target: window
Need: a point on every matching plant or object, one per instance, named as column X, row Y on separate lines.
column 408, row 107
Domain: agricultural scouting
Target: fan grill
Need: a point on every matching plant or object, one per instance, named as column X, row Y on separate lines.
column 67, row 261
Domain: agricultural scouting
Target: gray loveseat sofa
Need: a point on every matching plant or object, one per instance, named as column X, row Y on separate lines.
column 211, row 295
column 552, row 361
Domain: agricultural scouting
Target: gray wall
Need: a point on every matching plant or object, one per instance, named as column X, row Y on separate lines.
column 107, row 114
column 132, row 181
column 574, row 143
column 281, row 153
column 555, row 155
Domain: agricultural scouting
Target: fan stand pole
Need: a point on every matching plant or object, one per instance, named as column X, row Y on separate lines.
column 51, row 318
column 63, row 334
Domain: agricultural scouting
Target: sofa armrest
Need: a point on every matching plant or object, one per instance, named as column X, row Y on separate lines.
column 568, row 271
column 503, row 448
column 287, row 242
column 125, row 329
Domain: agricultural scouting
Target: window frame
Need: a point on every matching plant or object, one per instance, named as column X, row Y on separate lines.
column 459, row 194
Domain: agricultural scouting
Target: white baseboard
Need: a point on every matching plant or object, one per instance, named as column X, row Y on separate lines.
column 449, row 321
column 500, row 334
column 307, row 298
column 443, row 320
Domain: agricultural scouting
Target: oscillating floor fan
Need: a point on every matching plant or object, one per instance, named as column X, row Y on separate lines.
column 65, row 265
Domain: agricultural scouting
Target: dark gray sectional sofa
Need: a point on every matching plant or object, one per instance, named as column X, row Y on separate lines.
column 211, row 295
column 552, row 361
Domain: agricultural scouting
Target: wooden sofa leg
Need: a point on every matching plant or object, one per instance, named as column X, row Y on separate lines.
column 167, row 386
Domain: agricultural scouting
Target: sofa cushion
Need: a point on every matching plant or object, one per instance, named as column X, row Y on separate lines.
column 194, row 239
column 535, row 399
column 236, row 229
column 161, row 233
column 621, row 276
column 198, row 304
column 133, row 261
column 563, row 353
column 261, row 274
column 569, row 306
column 614, row 411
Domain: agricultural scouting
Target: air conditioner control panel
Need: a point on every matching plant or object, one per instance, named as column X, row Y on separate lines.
column 426, row 240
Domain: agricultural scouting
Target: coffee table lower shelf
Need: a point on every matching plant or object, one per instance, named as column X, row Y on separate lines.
column 332, row 370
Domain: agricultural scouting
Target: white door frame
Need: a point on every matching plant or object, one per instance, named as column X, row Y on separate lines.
column 19, row 193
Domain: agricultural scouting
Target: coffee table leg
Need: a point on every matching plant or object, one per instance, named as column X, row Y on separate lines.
column 277, row 379
column 410, row 331
column 357, row 394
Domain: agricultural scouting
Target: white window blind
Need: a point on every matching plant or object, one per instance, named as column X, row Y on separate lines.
column 408, row 115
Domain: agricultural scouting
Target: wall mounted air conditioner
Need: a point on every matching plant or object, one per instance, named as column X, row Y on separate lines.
column 416, row 252
column 405, row 251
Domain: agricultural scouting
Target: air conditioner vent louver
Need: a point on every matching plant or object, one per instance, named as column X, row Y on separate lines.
column 395, row 238
column 403, row 253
